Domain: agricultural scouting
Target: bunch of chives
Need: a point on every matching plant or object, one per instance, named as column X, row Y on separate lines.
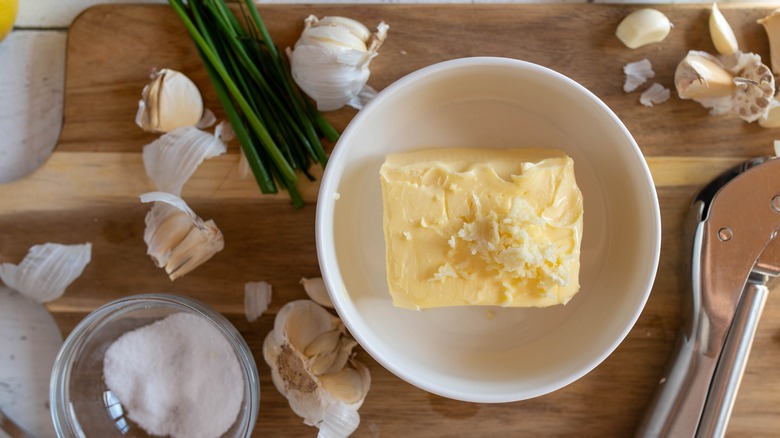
column 278, row 129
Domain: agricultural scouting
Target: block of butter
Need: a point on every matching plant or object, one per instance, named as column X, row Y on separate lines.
column 474, row 226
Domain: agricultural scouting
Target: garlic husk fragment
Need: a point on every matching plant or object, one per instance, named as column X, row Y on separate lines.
column 722, row 35
column 737, row 84
column 642, row 27
column 171, row 160
column 776, row 147
column 47, row 270
column 330, row 61
column 772, row 117
column 316, row 290
column 313, row 366
column 637, row 73
column 771, row 25
column 170, row 101
column 257, row 297
column 654, row 95
column 176, row 238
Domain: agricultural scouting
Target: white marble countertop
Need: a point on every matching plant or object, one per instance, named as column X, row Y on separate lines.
column 32, row 66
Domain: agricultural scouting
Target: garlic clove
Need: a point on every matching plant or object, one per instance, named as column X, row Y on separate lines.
column 355, row 27
column 316, row 290
column 345, row 385
column 47, row 270
column 701, row 75
column 642, row 27
column 176, row 238
column 772, row 117
column 171, row 160
column 654, row 95
column 337, row 36
column 320, row 365
column 722, row 35
column 257, row 297
column 340, row 420
column 323, row 344
column 637, row 73
column 170, row 101
column 771, row 25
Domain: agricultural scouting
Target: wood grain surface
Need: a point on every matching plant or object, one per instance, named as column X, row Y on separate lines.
column 88, row 192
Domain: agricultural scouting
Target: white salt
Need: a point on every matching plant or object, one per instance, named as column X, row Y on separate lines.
column 177, row 376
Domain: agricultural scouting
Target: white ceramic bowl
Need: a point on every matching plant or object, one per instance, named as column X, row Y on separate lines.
column 484, row 354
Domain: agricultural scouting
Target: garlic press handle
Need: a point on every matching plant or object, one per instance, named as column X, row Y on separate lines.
column 733, row 358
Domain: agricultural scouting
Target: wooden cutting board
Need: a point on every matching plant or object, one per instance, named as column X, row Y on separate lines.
column 88, row 192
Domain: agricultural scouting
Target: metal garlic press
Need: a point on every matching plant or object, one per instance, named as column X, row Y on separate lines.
column 731, row 231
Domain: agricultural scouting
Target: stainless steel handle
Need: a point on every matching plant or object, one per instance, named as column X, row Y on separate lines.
column 733, row 359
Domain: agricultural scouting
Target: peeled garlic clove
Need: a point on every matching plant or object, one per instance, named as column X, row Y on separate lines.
column 170, row 101
column 47, row 270
column 176, row 238
column 722, row 35
column 701, row 75
column 772, row 117
column 771, row 25
column 316, row 290
column 257, row 297
column 330, row 61
column 654, row 95
column 171, row 160
column 642, row 27
column 637, row 73
column 303, row 326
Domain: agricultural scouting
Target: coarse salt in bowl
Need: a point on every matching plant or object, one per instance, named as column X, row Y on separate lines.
column 491, row 354
column 83, row 404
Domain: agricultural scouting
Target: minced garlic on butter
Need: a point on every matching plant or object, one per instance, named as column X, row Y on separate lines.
column 472, row 226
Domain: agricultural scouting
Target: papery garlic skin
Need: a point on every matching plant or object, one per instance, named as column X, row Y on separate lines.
column 170, row 101
column 176, row 238
column 330, row 61
column 171, row 160
column 257, row 297
column 655, row 95
column 737, row 84
column 643, row 27
column 722, row 35
column 312, row 365
column 637, row 73
column 47, row 270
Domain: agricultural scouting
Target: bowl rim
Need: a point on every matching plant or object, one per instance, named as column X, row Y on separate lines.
column 58, row 387
column 325, row 241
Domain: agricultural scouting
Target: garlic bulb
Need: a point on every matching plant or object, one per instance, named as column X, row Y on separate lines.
column 257, row 297
column 736, row 84
column 771, row 25
column 312, row 365
column 722, row 35
column 170, row 101
column 330, row 61
column 172, row 159
column 642, row 27
column 316, row 290
column 47, row 270
column 176, row 238
column 637, row 73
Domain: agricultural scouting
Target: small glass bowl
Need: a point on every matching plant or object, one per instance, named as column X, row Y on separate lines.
column 82, row 405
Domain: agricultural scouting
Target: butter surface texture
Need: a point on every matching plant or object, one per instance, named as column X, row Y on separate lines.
column 473, row 226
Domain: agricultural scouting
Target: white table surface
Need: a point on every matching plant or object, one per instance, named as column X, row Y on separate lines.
column 32, row 75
